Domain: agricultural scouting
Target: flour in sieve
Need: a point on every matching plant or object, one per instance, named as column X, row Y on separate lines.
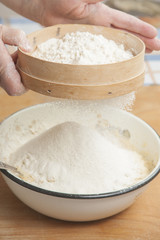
column 82, row 48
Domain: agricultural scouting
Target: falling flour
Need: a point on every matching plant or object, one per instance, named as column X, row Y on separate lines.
column 73, row 158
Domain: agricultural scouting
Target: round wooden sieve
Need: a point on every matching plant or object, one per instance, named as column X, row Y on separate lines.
column 83, row 81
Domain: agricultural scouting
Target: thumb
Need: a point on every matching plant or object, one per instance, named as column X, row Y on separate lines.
column 10, row 79
column 14, row 37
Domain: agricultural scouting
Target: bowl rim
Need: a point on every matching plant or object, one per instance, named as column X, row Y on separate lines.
column 120, row 192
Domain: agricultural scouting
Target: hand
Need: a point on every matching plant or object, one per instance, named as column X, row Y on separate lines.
column 10, row 79
column 96, row 13
column 50, row 12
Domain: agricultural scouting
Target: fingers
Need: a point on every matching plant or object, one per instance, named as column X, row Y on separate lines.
column 14, row 37
column 152, row 44
column 109, row 17
column 106, row 16
column 125, row 21
column 10, row 79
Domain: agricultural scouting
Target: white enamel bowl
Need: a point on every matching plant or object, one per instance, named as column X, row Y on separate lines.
column 74, row 207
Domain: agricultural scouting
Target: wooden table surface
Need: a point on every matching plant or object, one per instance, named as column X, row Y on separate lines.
column 140, row 222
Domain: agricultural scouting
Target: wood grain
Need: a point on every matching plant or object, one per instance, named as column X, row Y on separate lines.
column 139, row 222
column 83, row 92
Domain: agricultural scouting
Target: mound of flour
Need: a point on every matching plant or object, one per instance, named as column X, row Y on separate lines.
column 73, row 158
column 82, row 48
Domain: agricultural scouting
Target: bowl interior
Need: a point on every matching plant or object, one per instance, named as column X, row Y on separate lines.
column 27, row 123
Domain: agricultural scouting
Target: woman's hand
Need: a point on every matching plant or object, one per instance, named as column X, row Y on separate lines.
column 50, row 12
column 96, row 13
column 10, row 79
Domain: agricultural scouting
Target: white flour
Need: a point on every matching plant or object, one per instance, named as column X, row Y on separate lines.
column 73, row 158
column 82, row 48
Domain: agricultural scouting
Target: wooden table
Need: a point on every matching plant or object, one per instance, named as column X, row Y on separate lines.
column 140, row 222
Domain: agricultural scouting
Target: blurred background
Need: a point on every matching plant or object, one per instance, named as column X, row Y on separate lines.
column 9, row 17
column 148, row 10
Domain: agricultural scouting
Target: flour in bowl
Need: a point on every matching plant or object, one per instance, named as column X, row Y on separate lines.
column 74, row 158
column 82, row 48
